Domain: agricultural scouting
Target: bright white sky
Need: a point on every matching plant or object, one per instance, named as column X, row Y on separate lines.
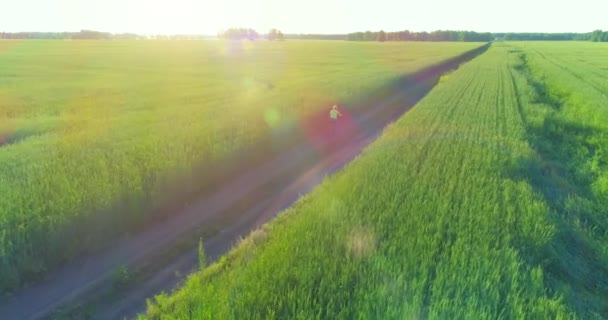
column 303, row 16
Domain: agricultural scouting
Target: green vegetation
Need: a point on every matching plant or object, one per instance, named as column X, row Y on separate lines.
column 202, row 257
column 599, row 36
column 92, row 132
column 121, row 277
column 534, row 36
column 568, row 128
column 406, row 35
column 486, row 201
column 439, row 35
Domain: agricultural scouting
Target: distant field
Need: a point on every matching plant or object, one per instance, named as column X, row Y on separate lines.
column 486, row 201
column 87, row 125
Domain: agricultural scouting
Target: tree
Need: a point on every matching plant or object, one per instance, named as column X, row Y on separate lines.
column 381, row 36
column 275, row 34
column 599, row 36
column 91, row 35
column 239, row 34
column 272, row 34
column 252, row 34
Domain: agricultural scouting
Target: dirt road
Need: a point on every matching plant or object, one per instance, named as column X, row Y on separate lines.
column 160, row 255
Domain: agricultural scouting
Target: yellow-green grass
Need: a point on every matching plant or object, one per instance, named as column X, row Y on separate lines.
column 463, row 209
column 87, row 125
column 568, row 128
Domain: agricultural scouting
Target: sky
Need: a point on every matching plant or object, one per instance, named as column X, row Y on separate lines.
column 303, row 16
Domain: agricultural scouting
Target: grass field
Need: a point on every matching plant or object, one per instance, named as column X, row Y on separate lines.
column 486, row 201
column 92, row 131
column 568, row 129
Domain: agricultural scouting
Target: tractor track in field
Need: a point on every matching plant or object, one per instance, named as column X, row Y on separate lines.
column 158, row 257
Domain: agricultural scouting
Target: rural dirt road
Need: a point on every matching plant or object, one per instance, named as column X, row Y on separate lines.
column 163, row 253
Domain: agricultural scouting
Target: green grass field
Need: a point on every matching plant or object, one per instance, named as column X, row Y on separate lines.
column 92, row 131
column 486, row 201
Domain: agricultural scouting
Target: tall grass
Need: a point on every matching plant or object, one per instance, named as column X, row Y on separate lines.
column 567, row 125
column 444, row 217
column 92, row 131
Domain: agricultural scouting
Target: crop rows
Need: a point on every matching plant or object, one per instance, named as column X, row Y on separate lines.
column 92, row 132
column 463, row 209
column 567, row 126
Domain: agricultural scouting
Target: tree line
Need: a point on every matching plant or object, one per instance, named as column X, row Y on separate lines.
column 275, row 34
column 96, row 35
column 311, row 36
column 250, row 34
column 599, row 36
column 83, row 34
column 407, row 35
column 466, row 36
